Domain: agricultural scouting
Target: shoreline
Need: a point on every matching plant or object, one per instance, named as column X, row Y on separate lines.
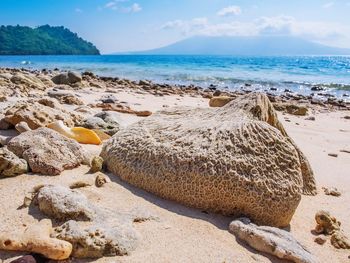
column 182, row 234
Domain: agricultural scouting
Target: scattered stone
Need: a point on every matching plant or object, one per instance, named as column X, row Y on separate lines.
column 217, row 93
column 71, row 100
column 122, row 109
column 96, row 164
column 46, row 151
column 200, row 157
column 333, row 155
column 340, row 241
column 332, row 191
column 325, row 223
column 38, row 115
column 22, row 127
column 24, row 259
column 79, row 184
column 296, row 110
column 311, row 118
column 102, row 121
column 320, row 239
column 36, row 238
column 274, row 241
column 100, row 180
column 10, row 164
column 93, row 231
column 67, row 78
column 4, row 125
column 219, row 101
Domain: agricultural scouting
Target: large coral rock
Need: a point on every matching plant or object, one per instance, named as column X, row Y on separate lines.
column 234, row 160
column 39, row 114
column 46, row 151
column 28, row 80
column 67, row 78
column 274, row 241
column 10, row 164
column 93, row 231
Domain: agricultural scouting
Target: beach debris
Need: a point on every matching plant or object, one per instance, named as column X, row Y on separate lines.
column 325, row 223
column 347, row 117
column 331, row 191
column 345, row 150
column 311, row 118
column 122, row 109
column 79, row 184
column 93, row 231
column 80, row 134
column 219, row 101
column 271, row 240
column 46, row 151
column 67, row 78
column 38, row 115
column 199, row 157
column 340, row 241
column 36, row 238
column 25, row 259
column 96, row 164
column 22, row 127
column 329, row 225
column 100, row 180
column 321, row 239
column 10, row 164
column 292, row 109
column 333, row 155
column 71, row 100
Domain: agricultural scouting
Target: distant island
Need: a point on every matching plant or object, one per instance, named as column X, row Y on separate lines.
column 43, row 40
column 247, row 46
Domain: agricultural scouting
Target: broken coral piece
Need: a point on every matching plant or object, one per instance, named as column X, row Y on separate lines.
column 80, row 134
column 36, row 238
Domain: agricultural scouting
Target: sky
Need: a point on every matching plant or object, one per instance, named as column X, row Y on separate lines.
column 127, row 25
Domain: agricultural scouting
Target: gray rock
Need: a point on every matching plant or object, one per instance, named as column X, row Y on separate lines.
column 102, row 121
column 10, row 164
column 232, row 160
column 271, row 240
column 102, row 233
column 67, row 78
column 46, row 151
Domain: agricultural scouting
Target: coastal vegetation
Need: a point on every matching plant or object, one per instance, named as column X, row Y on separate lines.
column 43, row 40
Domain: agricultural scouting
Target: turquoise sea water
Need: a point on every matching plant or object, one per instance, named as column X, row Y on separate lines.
column 298, row 74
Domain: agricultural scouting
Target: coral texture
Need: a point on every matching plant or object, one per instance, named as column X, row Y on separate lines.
column 235, row 160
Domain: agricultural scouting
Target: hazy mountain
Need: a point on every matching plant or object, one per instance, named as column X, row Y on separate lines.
column 257, row 45
column 43, row 40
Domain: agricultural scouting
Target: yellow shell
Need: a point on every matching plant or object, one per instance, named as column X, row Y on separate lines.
column 80, row 134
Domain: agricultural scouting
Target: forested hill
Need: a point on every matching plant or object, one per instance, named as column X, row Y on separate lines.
column 43, row 40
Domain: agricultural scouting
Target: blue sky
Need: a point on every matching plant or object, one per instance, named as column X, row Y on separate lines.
column 127, row 25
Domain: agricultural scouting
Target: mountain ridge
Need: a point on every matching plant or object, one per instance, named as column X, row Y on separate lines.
column 246, row 46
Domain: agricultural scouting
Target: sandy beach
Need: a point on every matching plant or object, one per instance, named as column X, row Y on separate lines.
column 180, row 233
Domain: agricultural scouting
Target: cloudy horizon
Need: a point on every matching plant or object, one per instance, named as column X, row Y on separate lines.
column 126, row 25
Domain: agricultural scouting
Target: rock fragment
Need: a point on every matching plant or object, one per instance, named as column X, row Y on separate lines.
column 96, row 164
column 46, row 151
column 219, row 101
column 274, row 241
column 36, row 238
column 10, row 164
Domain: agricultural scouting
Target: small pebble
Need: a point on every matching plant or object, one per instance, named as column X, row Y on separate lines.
column 321, row 239
column 333, row 154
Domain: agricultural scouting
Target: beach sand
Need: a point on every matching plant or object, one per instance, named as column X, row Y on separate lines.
column 189, row 235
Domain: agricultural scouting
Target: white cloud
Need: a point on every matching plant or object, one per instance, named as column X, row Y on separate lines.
column 135, row 8
column 329, row 33
column 117, row 6
column 230, row 10
column 78, row 10
column 328, row 5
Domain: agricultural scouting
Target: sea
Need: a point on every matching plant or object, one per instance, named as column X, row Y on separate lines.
column 299, row 74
